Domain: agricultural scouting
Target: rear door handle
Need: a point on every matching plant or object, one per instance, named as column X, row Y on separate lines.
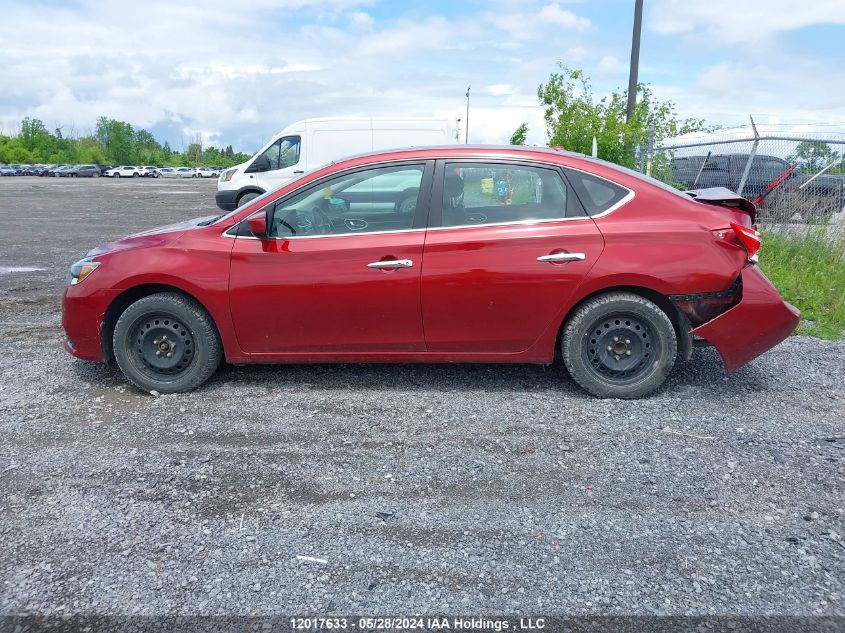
column 562, row 257
column 391, row 263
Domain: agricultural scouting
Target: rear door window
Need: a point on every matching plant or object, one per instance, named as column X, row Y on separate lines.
column 493, row 193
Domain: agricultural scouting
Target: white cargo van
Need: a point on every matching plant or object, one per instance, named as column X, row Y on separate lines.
column 311, row 143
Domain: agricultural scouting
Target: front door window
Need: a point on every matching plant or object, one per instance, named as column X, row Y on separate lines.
column 368, row 201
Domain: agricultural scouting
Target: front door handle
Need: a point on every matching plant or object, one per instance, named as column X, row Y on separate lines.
column 562, row 257
column 391, row 263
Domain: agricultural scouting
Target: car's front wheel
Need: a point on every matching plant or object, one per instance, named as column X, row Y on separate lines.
column 247, row 197
column 407, row 204
column 167, row 343
column 619, row 345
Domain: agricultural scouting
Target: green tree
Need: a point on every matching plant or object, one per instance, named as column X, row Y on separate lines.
column 574, row 115
column 113, row 141
column 13, row 151
column 116, row 138
column 35, row 137
column 146, row 150
column 519, row 134
column 813, row 155
column 89, row 150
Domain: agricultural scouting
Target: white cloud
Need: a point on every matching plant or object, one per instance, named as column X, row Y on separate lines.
column 744, row 21
column 413, row 35
column 360, row 20
column 782, row 90
column 610, row 64
column 530, row 23
column 499, row 90
column 240, row 76
column 553, row 14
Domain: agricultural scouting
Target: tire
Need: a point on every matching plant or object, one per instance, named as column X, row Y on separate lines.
column 251, row 195
column 141, row 335
column 96, row 174
column 135, row 174
column 115, row 175
column 619, row 345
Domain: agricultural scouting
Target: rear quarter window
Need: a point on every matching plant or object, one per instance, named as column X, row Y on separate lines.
column 597, row 195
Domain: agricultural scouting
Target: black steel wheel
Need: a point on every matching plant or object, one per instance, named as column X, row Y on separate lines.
column 619, row 345
column 166, row 342
column 163, row 344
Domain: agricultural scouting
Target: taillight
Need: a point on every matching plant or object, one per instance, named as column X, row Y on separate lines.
column 749, row 238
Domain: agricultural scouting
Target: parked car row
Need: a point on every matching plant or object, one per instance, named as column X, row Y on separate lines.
column 188, row 172
column 109, row 171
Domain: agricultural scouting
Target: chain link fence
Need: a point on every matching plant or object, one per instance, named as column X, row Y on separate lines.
column 792, row 178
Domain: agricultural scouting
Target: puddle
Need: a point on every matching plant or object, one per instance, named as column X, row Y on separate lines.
column 7, row 270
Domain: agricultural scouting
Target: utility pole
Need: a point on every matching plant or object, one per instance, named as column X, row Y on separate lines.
column 466, row 122
column 635, row 59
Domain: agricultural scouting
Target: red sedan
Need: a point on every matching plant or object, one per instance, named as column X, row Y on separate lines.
column 457, row 254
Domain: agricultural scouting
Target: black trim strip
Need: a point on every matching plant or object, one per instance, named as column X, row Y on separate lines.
column 722, row 294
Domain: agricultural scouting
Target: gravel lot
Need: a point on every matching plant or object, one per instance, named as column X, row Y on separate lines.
column 434, row 489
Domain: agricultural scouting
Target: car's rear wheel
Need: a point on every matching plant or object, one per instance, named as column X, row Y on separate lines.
column 619, row 345
column 166, row 342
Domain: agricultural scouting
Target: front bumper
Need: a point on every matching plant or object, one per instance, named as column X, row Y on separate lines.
column 761, row 320
column 227, row 199
column 83, row 315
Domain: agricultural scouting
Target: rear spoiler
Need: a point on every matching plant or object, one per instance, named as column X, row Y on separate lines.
column 724, row 197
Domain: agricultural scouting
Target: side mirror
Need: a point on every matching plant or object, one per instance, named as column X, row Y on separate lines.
column 261, row 163
column 258, row 225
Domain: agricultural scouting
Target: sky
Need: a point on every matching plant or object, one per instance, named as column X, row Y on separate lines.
column 238, row 72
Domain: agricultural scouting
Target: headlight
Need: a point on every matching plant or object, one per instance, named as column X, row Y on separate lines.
column 80, row 271
column 226, row 176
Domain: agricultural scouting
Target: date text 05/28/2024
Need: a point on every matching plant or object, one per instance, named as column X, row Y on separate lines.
column 466, row 624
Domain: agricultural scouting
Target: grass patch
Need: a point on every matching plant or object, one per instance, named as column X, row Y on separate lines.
column 809, row 272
